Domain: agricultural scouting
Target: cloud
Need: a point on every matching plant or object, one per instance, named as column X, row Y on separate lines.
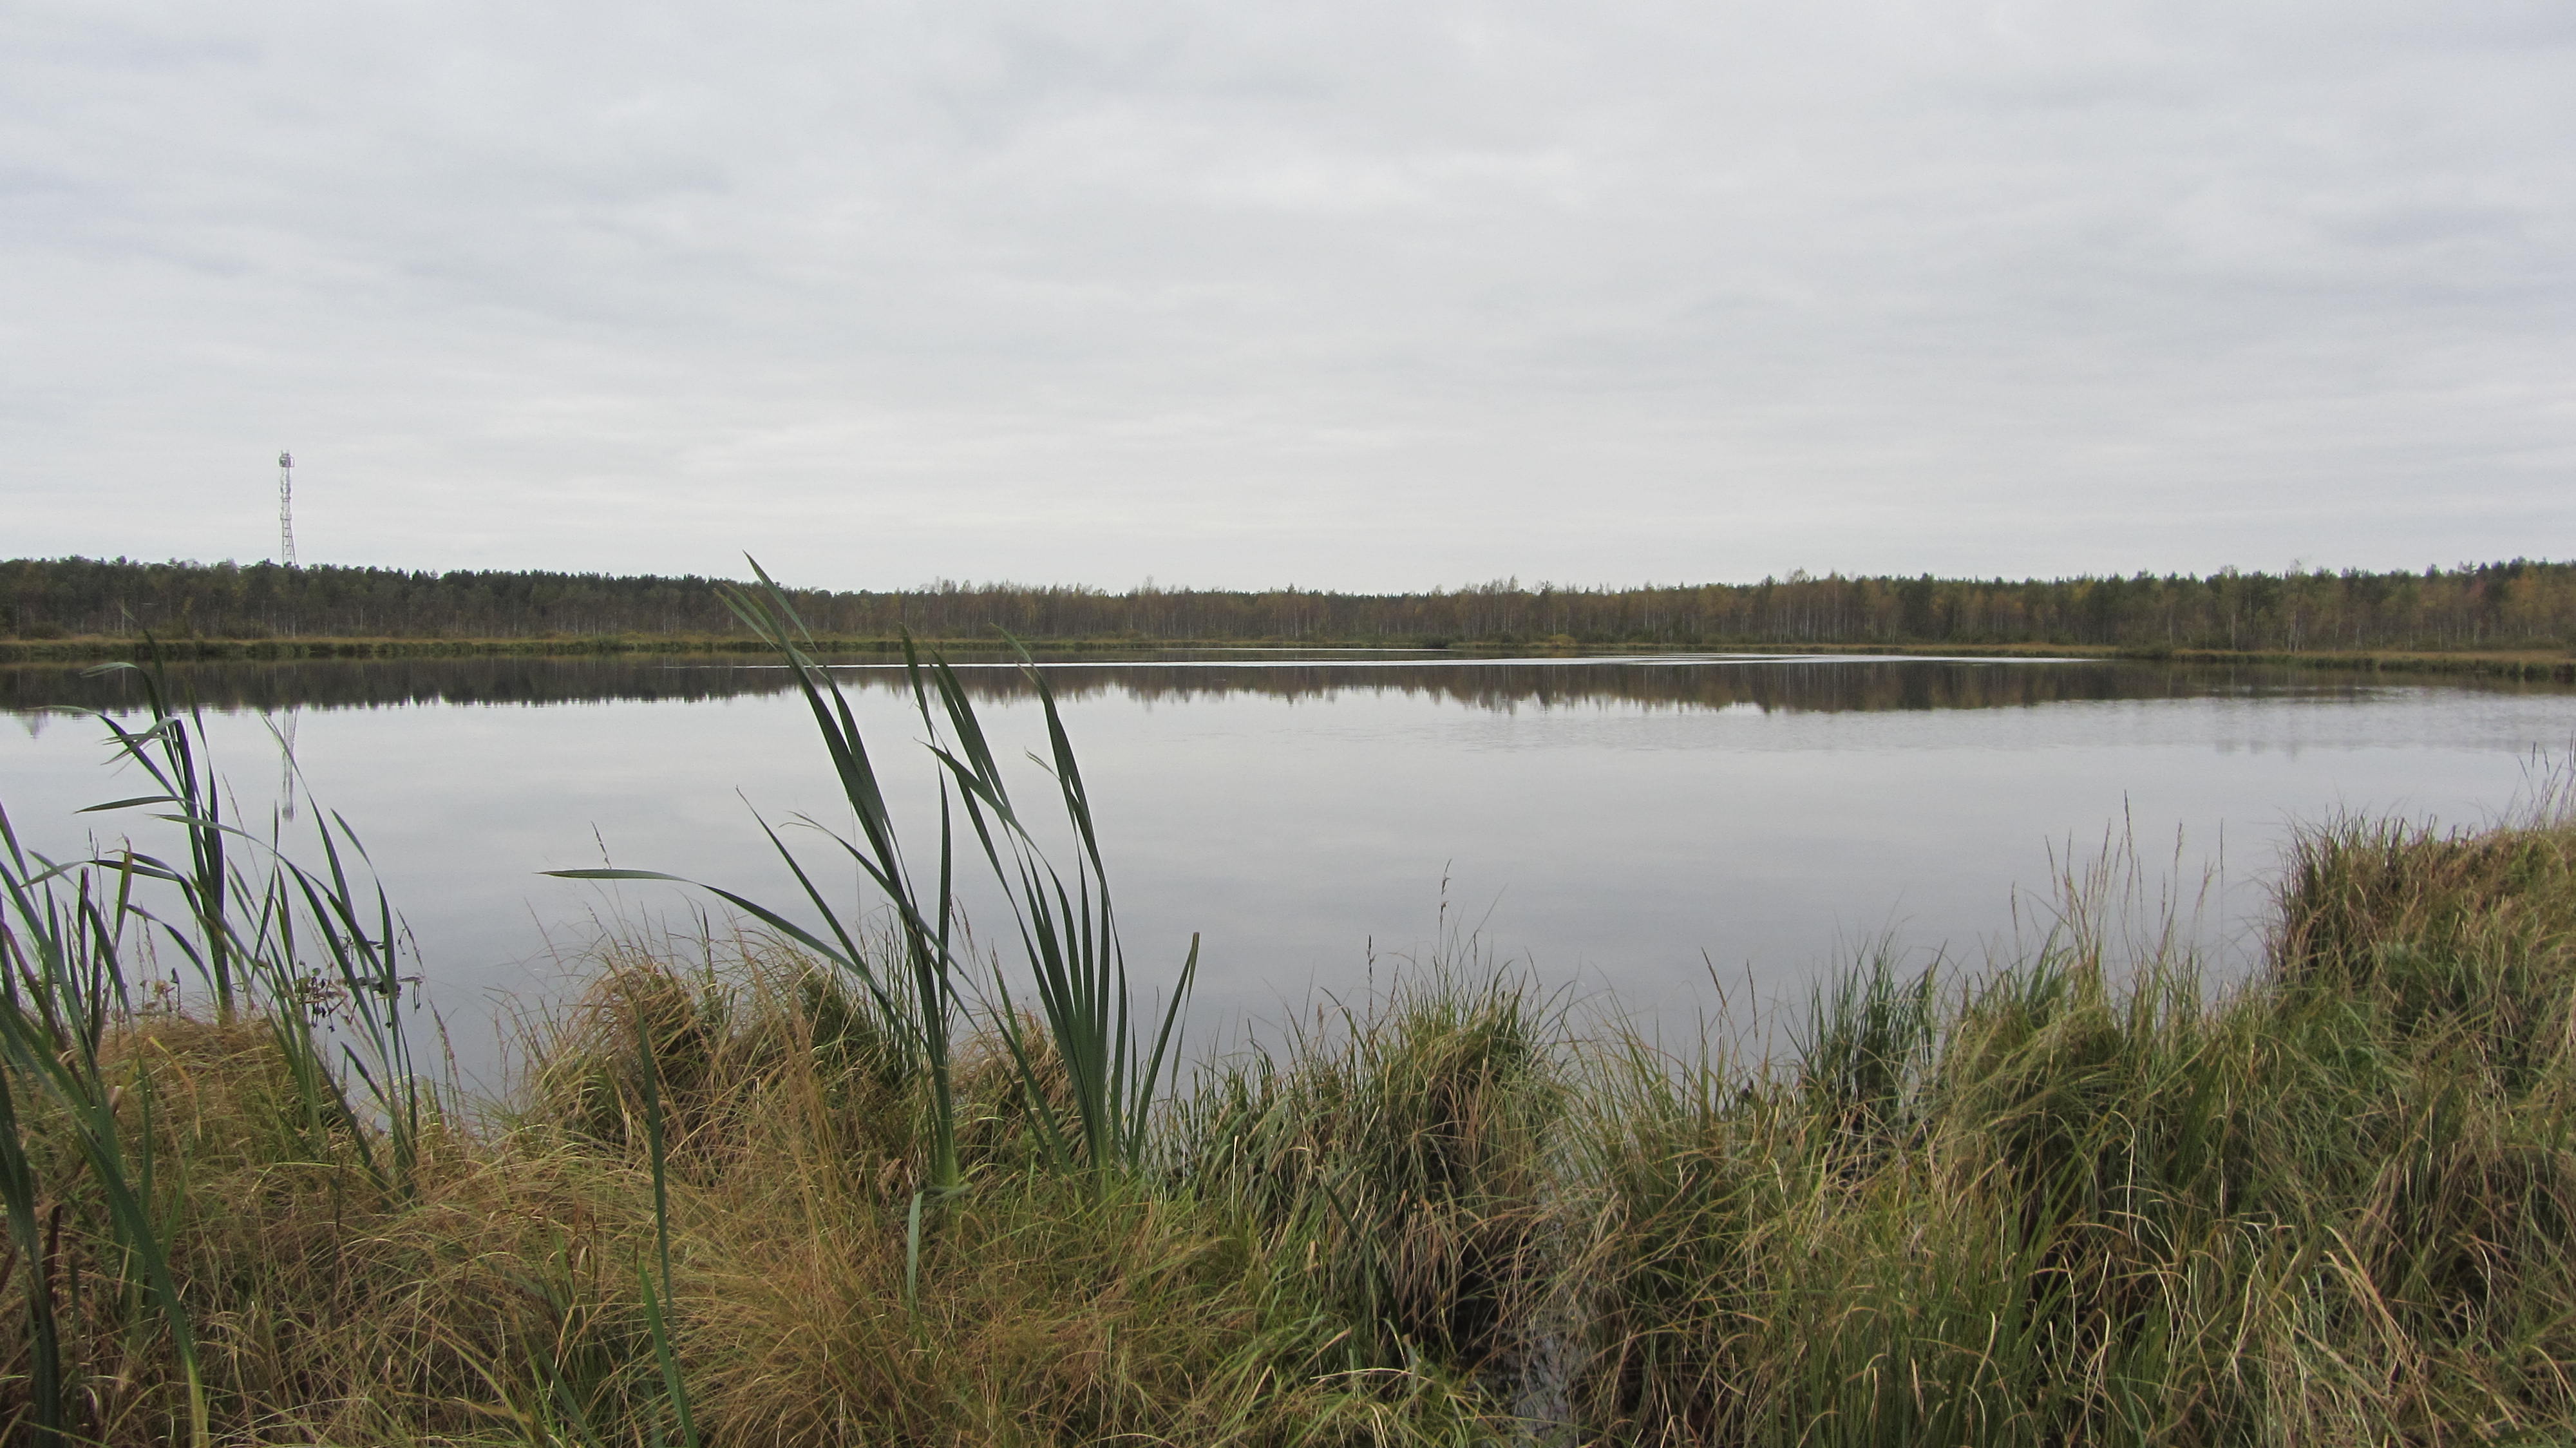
column 1352, row 295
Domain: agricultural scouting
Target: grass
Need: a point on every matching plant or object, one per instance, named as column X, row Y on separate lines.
column 751, row 1190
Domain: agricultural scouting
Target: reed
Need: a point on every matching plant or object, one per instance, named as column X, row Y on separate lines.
column 1068, row 930
column 76, row 939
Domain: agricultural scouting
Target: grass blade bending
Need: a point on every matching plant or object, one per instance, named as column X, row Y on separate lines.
column 1068, row 929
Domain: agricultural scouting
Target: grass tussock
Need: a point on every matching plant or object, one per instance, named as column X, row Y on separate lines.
column 496, row 1298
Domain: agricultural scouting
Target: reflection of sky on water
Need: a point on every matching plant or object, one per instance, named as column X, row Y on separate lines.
column 1631, row 837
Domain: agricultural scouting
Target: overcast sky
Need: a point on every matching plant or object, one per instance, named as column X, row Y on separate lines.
column 1356, row 295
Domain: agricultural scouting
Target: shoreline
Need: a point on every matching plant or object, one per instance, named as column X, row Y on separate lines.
column 2524, row 664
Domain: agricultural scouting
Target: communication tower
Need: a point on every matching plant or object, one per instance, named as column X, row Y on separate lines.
column 286, row 509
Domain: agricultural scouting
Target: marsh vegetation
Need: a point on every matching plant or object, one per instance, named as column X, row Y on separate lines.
column 828, row 1179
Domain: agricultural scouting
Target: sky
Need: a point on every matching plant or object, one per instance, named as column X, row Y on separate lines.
column 1333, row 294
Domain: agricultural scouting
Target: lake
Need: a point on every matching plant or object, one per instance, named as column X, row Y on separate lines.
column 1669, row 829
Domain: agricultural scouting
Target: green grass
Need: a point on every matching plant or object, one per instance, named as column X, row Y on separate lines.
column 751, row 1190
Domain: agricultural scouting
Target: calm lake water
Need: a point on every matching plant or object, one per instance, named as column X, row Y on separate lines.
column 1658, row 827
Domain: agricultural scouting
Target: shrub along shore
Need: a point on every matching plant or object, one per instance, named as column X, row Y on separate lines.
column 819, row 1184
column 2532, row 664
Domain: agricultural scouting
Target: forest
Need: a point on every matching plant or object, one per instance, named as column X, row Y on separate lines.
column 2517, row 605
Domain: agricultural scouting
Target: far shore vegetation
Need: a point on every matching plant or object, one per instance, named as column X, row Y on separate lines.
column 2515, row 618
column 845, row 1177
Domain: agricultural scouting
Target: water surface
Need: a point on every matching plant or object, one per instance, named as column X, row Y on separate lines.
column 1664, row 827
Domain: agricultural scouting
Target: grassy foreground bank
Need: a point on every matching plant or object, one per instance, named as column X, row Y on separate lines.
column 2336, row 1205
column 752, row 1194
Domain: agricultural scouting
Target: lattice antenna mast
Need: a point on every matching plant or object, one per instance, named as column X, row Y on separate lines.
column 286, row 509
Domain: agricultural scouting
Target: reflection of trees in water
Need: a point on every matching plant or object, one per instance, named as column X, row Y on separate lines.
column 1802, row 686
column 1786, row 685
column 381, row 683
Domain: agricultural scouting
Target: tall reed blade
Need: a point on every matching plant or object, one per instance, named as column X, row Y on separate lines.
column 1068, row 934
column 88, row 1105
column 1067, row 928
column 18, row 1199
column 246, row 915
column 920, row 1015
column 167, row 751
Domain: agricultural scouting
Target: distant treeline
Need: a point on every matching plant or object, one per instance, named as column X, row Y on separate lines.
column 2516, row 605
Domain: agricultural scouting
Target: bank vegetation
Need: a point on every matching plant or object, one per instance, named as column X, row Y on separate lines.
column 841, row 1180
